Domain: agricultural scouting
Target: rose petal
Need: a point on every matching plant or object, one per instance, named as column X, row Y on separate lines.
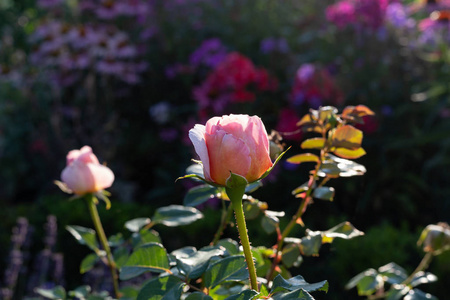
column 227, row 154
column 197, row 137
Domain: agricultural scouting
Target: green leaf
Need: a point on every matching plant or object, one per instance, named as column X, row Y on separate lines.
column 198, row 296
column 120, row 256
column 416, row 294
column 176, row 215
column 244, row 295
column 422, row 278
column 393, row 273
column 115, row 240
column 192, row 266
column 129, row 293
column 199, row 194
column 232, row 268
column 344, row 230
column 251, row 187
column 297, row 282
column 290, row 256
column 301, row 158
column 84, row 236
column 397, row 291
column 148, row 257
column 336, row 166
column 162, row 288
column 145, row 237
column 367, row 282
column 57, row 292
column 135, row 225
column 269, row 223
column 294, row 295
column 324, row 193
column 314, row 143
column 80, row 292
column 231, row 246
column 88, row 262
column 251, row 209
column 310, row 244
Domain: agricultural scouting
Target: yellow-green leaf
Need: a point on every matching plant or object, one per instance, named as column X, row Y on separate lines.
column 314, row 143
column 301, row 158
column 349, row 154
column 348, row 137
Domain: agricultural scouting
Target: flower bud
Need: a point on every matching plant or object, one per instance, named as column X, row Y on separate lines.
column 84, row 174
column 236, row 144
column 435, row 238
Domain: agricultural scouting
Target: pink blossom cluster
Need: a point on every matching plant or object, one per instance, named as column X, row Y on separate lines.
column 365, row 13
column 71, row 49
column 235, row 79
column 315, row 86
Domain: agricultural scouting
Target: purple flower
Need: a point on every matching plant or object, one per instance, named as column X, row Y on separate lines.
column 306, row 72
column 210, row 53
column 272, row 44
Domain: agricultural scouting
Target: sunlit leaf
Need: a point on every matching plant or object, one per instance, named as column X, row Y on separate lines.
column 135, row 225
column 347, row 137
column 311, row 243
column 148, row 257
column 199, row 194
column 366, row 282
column 417, row 294
column 349, row 154
column 198, row 296
column 57, row 292
column 176, row 215
column 301, row 158
column 336, row 166
column 393, row 273
column 356, row 113
column 145, row 237
column 193, row 265
column 88, row 262
column 290, row 256
column 343, row 230
column 231, row 246
column 232, row 268
column 327, row 112
column 422, row 278
column 302, row 188
column 162, row 288
column 244, row 295
column 297, row 282
column 324, row 193
column 313, row 143
column 293, row 295
column 84, row 236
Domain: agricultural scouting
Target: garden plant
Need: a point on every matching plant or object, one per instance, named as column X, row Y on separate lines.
column 252, row 149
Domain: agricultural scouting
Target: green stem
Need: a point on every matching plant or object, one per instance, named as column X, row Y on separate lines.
column 422, row 266
column 242, row 228
column 90, row 200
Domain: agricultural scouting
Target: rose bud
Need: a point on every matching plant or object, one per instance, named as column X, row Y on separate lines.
column 236, row 144
column 84, row 174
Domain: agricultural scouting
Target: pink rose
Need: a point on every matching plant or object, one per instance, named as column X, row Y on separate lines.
column 234, row 143
column 84, row 174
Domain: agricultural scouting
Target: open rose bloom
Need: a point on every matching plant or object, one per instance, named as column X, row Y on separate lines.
column 236, row 144
column 84, row 174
